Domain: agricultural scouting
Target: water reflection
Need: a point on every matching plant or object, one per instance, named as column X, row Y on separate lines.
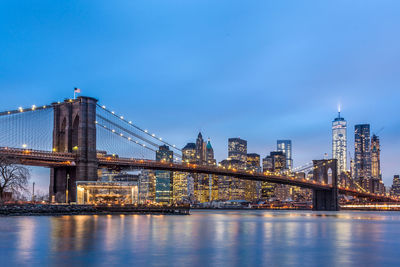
column 204, row 239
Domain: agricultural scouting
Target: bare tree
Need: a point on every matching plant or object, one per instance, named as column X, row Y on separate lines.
column 13, row 178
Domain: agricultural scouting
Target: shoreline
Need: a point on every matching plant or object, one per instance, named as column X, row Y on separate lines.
column 61, row 210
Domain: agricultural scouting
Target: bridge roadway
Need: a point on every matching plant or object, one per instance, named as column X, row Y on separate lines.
column 54, row 159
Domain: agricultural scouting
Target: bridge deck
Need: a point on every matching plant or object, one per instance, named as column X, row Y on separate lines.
column 54, row 159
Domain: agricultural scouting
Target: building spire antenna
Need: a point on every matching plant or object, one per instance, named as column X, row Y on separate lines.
column 339, row 109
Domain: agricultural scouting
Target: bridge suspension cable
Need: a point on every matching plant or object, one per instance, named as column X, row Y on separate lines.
column 28, row 128
column 144, row 131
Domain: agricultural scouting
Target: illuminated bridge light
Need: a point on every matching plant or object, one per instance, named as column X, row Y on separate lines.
column 130, row 122
column 145, row 131
column 153, row 135
column 104, row 107
column 112, row 112
column 122, row 117
column 129, row 138
column 160, row 139
column 113, row 130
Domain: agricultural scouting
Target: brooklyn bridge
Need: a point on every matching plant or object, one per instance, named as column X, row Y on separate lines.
column 86, row 136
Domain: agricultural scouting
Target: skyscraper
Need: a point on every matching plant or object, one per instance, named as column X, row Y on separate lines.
column 396, row 186
column 339, row 142
column 189, row 153
column 375, row 158
column 164, row 178
column 362, row 155
column 200, row 149
column 237, row 150
column 253, row 188
column 210, row 154
column 285, row 146
column 376, row 175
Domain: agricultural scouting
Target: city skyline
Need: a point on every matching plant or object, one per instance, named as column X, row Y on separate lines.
column 275, row 62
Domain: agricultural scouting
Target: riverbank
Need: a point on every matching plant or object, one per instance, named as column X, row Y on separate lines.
column 58, row 210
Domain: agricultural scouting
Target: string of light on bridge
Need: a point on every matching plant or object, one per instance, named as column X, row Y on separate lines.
column 145, row 131
column 128, row 138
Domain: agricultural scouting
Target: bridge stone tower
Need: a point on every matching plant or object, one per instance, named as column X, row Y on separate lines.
column 74, row 131
column 326, row 171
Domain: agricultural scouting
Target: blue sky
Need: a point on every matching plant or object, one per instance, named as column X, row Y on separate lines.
column 261, row 70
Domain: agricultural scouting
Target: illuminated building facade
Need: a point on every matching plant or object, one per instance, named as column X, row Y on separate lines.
column 189, row 153
column 164, row 179
column 147, row 186
column 230, row 188
column 362, row 155
column 339, row 142
column 285, row 146
column 375, row 158
column 237, row 150
column 253, row 188
column 200, row 149
column 274, row 162
column 200, row 187
column 376, row 175
column 395, row 191
column 210, row 154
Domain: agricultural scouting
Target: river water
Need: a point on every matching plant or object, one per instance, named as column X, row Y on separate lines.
column 205, row 238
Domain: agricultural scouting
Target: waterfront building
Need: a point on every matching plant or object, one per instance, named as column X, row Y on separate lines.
column 362, row 155
column 395, row 190
column 376, row 175
column 200, row 149
column 189, row 153
column 164, row 179
column 285, row 146
column 230, row 188
column 237, row 150
column 210, row 154
column 212, row 179
column 375, row 158
column 180, row 187
column 147, row 186
column 339, row 142
column 253, row 188
column 275, row 162
column 200, row 187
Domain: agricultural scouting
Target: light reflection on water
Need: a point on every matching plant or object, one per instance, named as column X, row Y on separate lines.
column 222, row 238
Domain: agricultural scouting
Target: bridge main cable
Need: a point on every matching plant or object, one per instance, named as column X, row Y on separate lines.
column 21, row 110
column 138, row 128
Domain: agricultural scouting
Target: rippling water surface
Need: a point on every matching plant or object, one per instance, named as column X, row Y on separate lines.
column 206, row 238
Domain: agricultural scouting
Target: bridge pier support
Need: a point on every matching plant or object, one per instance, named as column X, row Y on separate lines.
column 325, row 200
column 74, row 131
column 325, row 171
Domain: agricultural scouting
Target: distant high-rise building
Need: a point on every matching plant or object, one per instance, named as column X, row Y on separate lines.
column 396, row 186
column 377, row 185
column 253, row 162
column 253, row 188
column 200, row 149
column 164, row 178
column 362, row 153
column 339, row 143
column 375, row 158
column 210, row 154
column 285, row 146
column 274, row 162
column 237, row 150
column 189, row 153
